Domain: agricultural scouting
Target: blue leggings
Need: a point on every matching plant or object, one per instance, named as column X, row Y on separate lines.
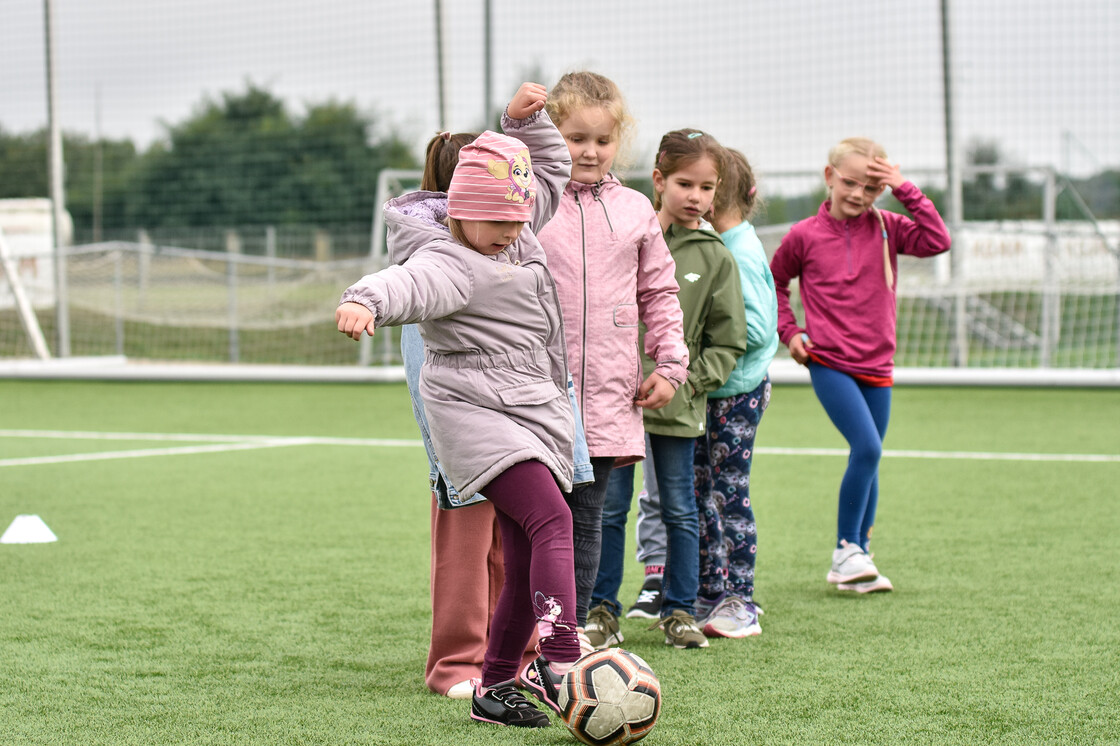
column 861, row 413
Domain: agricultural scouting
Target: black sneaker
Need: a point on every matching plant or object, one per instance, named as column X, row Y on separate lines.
column 504, row 704
column 648, row 605
column 538, row 678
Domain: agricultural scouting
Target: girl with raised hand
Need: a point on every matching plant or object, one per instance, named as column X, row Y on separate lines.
column 846, row 257
column 613, row 270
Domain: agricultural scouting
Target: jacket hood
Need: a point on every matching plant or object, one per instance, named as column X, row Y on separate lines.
column 606, row 182
column 685, row 236
column 415, row 220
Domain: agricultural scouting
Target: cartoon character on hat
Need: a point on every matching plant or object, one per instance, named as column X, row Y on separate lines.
column 493, row 180
column 519, row 171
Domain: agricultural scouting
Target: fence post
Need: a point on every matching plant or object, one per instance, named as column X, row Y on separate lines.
column 143, row 267
column 118, row 297
column 270, row 252
column 233, row 249
column 1051, row 287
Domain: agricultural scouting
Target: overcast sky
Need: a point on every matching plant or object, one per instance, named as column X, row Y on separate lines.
column 782, row 81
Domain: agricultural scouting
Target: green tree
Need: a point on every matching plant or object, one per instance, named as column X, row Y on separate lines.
column 245, row 160
column 23, row 165
column 23, row 173
column 1007, row 195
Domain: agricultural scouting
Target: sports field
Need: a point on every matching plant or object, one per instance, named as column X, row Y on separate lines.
column 248, row 564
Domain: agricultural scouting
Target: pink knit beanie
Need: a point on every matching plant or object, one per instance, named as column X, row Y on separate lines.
column 492, row 181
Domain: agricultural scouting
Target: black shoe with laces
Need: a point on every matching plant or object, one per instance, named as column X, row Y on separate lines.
column 648, row 605
column 504, row 704
column 538, row 678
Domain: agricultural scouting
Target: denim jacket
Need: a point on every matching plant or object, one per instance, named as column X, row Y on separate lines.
column 412, row 351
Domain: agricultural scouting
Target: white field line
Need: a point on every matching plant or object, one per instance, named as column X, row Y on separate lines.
column 109, row 455
column 1099, row 458
column 223, row 443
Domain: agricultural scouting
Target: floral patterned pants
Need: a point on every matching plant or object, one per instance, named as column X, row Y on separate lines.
column 722, row 467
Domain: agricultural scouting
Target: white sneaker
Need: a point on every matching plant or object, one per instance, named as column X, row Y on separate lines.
column 733, row 617
column 463, row 690
column 850, row 564
column 879, row 585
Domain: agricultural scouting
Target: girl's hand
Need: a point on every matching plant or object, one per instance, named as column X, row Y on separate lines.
column 655, row 392
column 353, row 319
column 885, row 172
column 528, row 100
column 799, row 348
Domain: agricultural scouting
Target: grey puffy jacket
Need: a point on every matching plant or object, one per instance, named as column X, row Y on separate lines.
column 494, row 380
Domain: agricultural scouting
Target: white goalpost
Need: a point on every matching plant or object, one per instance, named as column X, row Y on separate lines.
column 22, row 303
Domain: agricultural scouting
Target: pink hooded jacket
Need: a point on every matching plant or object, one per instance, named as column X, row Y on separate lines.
column 850, row 313
column 612, row 269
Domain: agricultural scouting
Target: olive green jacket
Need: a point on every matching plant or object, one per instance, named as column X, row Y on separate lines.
column 715, row 328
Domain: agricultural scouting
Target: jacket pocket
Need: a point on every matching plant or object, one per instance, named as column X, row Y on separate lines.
column 626, row 315
column 528, row 393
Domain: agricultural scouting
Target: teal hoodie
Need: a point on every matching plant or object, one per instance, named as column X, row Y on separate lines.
column 715, row 328
column 761, row 305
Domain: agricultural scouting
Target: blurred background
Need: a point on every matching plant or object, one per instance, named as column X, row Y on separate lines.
column 218, row 167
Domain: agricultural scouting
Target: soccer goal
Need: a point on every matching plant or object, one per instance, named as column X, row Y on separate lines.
column 1026, row 302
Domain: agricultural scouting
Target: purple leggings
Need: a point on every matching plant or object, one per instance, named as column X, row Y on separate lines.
column 540, row 585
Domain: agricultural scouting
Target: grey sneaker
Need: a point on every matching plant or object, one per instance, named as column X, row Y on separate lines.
column 648, row 605
column 850, row 564
column 879, row 585
column 681, row 631
column 602, row 628
column 703, row 608
column 733, row 617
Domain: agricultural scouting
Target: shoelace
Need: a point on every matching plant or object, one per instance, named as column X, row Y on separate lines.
column 598, row 619
column 687, row 622
column 733, row 606
column 648, row 596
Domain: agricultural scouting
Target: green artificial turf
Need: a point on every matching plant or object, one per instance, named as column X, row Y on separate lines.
column 280, row 595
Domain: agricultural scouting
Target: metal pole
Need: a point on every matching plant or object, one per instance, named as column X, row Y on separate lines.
column 487, row 64
column 439, row 67
column 118, row 296
column 233, row 251
column 54, row 158
column 1050, row 322
column 953, row 192
column 98, row 166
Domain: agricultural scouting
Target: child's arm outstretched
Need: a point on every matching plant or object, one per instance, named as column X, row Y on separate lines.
column 353, row 319
column 529, row 99
column 526, row 119
column 432, row 284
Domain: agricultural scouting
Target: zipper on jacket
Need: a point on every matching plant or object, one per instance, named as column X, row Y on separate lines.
column 583, row 321
column 848, row 249
column 607, row 215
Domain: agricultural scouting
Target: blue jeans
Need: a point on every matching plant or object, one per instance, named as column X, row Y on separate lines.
column 673, row 457
column 412, row 352
column 861, row 413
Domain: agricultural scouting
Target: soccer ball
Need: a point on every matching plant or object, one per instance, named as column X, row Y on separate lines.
column 610, row 697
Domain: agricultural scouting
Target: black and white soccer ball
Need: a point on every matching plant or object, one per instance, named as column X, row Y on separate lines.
column 610, row 697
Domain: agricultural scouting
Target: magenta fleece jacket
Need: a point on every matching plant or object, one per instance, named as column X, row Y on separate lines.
column 850, row 313
column 612, row 269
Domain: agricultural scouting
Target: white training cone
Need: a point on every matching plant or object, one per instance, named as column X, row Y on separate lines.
column 27, row 529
